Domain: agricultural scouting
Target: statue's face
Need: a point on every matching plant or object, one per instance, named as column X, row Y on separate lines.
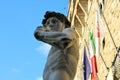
column 54, row 24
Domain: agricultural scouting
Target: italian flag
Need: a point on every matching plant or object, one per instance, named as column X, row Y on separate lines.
column 93, row 57
column 97, row 27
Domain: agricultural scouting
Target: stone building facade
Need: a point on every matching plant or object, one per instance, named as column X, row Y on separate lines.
column 82, row 14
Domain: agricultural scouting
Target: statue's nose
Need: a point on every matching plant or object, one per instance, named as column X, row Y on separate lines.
column 48, row 28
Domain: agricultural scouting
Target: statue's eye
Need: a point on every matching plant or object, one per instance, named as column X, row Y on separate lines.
column 53, row 21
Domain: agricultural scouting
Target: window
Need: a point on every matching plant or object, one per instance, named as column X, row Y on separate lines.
column 103, row 42
column 101, row 5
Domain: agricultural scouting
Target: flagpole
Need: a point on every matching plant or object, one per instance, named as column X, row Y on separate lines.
column 89, row 54
column 104, row 62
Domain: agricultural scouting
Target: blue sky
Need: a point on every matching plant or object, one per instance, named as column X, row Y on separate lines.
column 22, row 57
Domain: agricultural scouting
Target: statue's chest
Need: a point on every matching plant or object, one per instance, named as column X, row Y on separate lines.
column 57, row 60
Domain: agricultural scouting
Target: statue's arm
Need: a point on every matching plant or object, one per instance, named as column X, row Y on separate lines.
column 62, row 39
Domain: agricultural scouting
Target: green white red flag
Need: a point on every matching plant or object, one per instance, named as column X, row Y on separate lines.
column 92, row 49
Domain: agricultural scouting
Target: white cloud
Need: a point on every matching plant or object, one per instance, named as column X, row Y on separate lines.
column 39, row 78
column 15, row 70
column 44, row 49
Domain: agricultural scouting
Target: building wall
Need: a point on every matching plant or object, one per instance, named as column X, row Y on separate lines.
column 111, row 12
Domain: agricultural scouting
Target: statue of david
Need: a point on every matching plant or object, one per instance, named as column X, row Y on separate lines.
column 64, row 54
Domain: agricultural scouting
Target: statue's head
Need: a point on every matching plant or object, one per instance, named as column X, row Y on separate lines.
column 55, row 21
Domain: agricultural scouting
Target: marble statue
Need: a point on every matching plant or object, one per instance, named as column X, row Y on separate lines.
column 64, row 54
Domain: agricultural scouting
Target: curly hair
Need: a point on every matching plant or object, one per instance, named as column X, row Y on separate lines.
column 59, row 16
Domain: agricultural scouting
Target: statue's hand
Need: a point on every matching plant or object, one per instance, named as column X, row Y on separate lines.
column 38, row 32
column 41, row 28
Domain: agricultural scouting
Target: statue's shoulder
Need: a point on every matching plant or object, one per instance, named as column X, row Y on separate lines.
column 71, row 32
